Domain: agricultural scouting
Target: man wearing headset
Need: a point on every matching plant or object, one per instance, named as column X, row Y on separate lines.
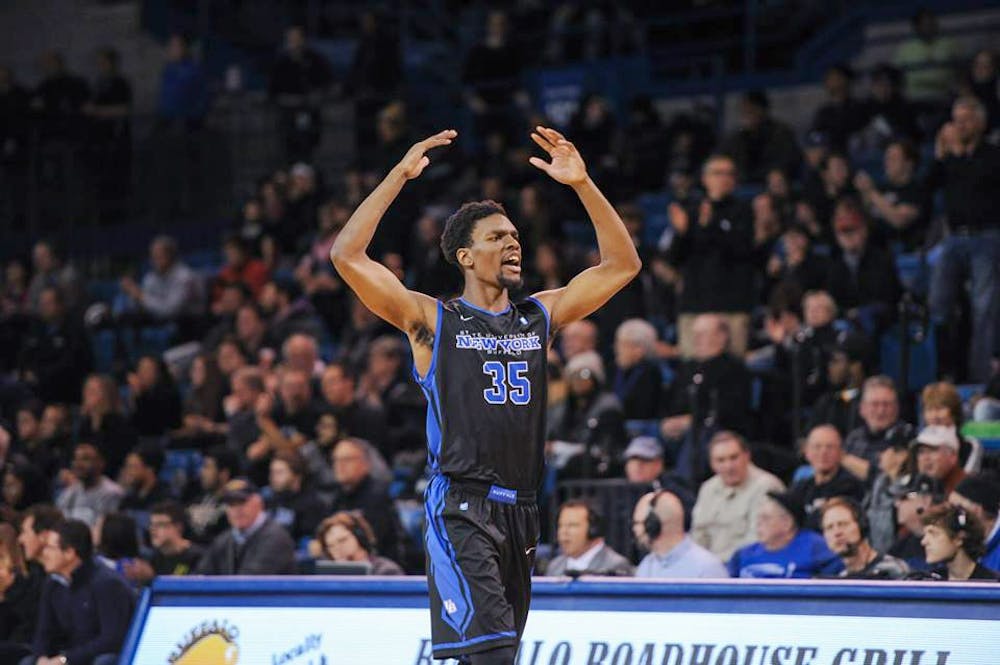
column 658, row 526
column 845, row 528
column 953, row 542
column 580, row 534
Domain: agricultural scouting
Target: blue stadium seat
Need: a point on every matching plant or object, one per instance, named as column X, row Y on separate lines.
column 923, row 356
column 180, row 467
column 411, row 516
column 102, row 345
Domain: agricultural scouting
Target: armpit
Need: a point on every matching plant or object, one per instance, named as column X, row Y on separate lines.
column 421, row 334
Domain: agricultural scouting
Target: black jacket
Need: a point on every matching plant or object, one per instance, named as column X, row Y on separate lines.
column 723, row 392
column 875, row 282
column 371, row 497
column 813, row 496
column 19, row 608
column 59, row 357
column 639, row 389
column 717, row 260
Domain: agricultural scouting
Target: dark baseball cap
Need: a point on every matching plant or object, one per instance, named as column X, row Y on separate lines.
column 983, row 489
column 792, row 505
column 854, row 346
column 238, row 490
column 915, row 483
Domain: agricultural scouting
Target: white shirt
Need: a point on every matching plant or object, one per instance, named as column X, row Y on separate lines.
column 583, row 561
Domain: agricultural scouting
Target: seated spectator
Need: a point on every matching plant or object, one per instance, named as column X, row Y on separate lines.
column 578, row 337
column 285, row 426
column 580, row 536
column 713, row 249
column 206, row 513
column 102, row 422
column 725, row 515
column 942, row 405
column 202, row 415
column 288, row 312
column 889, row 115
column 901, row 206
column 358, row 489
column 842, row 115
column 658, row 527
column 936, row 452
column 91, row 494
column 155, row 400
column 250, row 330
column 291, row 504
column 254, row 544
column 784, row 548
column 141, row 479
column 845, row 374
column 86, row 607
column 116, row 539
column 953, row 542
column 820, row 195
column 170, row 290
column 301, row 352
column 880, row 412
column 240, row 268
column 55, row 353
column 587, row 428
column 51, row 270
column 19, row 596
column 795, row 261
column 915, row 494
column 24, row 485
column 645, row 465
column 347, row 536
column 173, row 554
column 880, row 508
column 359, row 418
column 980, row 494
column 824, row 452
column 713, row 386
column 34, row 523
column 32, row 441
column 387, row 380
column 846, row 532
column 761, row 143
column 225, row 306
column 240, row 406
column 863, row 278
column 637, row 381
column 56, row 434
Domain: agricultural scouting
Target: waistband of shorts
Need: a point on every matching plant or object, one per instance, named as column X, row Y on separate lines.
column 496, row 493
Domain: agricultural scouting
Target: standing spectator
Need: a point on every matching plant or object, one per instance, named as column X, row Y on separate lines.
column 902, row 205
column 880, row 413
column 91, row 494
column 936, row 452
column 55, row 351
column 206, row 512
column 927, row 59
column 580, row 536
column 298, row 80
column 762, row 143
column 491, row 76
column 880, row 505
column 784, row 548
column 888, row 114
column 387, row 380
column 713, row 388
column 357, row 489
column 638, row 380
column 102, row 423
column 363, row 419
column 155, row 400
column 846, row 532
column 240, row 268
column 968, row 170
column 842, row 115
column 658, row 526
column 173, row 554
column 19, row 595
column 141, row 479
column 15, row 121
column 863, row 278
column 376, row 73
column 953, row 539
column 713, row 247
column 824, row 451
column 170, row 291
column 288, row 501
column 981, row 82
column 914, row 494
column 347, row 536
column 980, row 494
column 85, row 608
column 110, row 135
column 725, row 515
column 59, row 100
column 255, row 544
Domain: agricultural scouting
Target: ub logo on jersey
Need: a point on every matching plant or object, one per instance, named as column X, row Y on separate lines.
column 512, row 345
column 450, row 607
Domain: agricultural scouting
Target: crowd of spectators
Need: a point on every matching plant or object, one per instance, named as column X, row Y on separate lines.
column 735, row 382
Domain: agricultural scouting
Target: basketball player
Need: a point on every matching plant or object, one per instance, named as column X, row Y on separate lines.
column 481, row 361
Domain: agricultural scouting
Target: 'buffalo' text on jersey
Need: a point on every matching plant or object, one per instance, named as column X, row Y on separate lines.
column 486, row 393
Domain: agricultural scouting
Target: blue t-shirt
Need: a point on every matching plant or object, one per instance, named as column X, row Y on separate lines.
column 806, row 556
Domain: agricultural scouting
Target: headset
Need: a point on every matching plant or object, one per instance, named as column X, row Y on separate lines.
column 959, row 520
column 859, row 515
column 652, row 523
column 595, row 523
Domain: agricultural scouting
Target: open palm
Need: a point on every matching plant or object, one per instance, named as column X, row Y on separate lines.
column 567, row 165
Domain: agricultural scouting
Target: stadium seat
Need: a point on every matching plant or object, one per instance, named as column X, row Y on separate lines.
column 649, row 427
column 180, row 467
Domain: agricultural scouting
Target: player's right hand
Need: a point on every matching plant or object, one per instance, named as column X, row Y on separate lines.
column 415, row 160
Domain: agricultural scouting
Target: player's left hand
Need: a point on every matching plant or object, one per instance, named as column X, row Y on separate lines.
column 567, row 165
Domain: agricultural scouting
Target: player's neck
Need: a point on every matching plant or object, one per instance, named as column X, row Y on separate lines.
column 483, row 296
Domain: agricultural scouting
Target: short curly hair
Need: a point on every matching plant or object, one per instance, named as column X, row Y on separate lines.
column 458, row 228
column 955, row 520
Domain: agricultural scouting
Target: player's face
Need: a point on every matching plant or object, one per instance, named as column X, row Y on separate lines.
column 496, row 252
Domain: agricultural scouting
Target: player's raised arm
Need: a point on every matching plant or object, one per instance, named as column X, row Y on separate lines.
column 619, row 260
column 374, row 284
